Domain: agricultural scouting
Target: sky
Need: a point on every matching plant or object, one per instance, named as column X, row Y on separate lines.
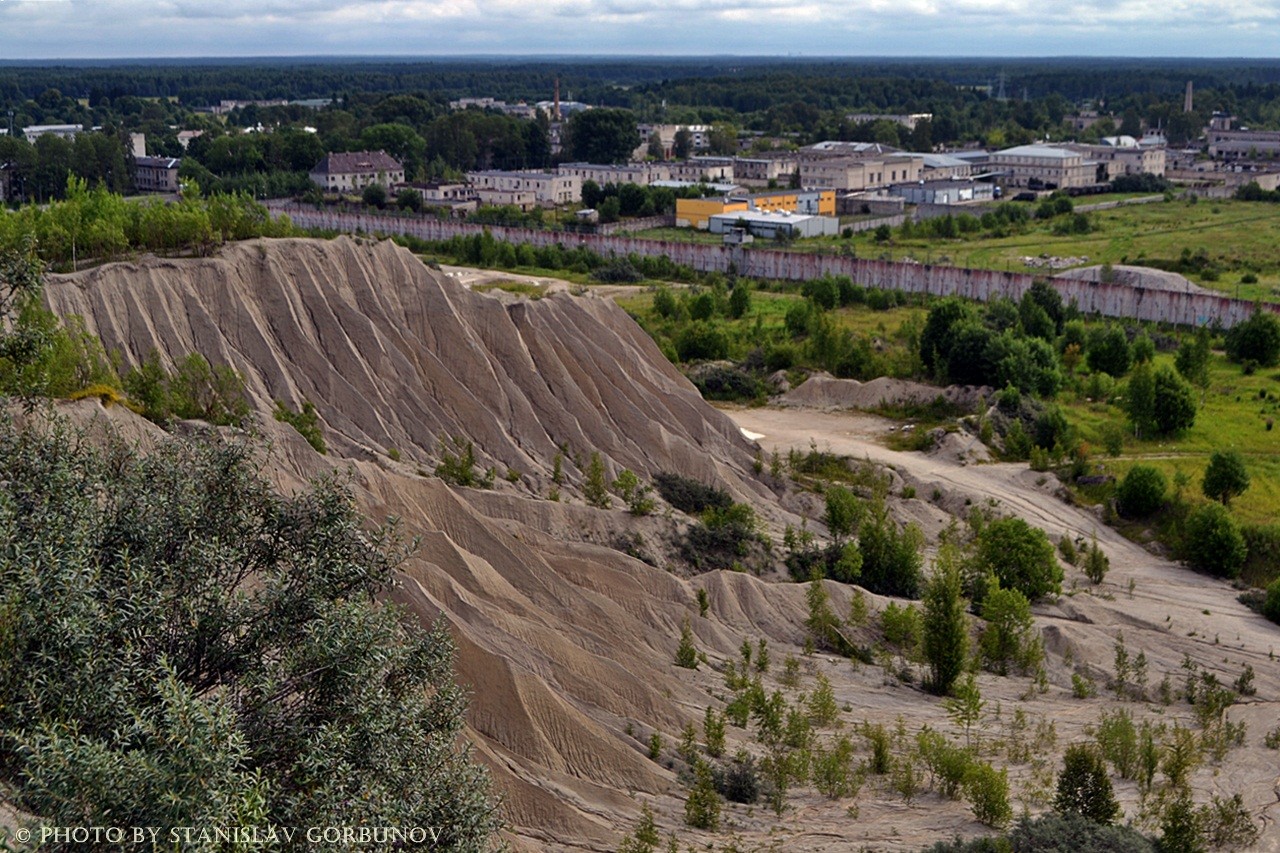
column 43, row 29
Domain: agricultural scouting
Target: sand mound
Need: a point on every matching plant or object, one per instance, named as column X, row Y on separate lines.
column 567, row 644
column 1135, row 276
column 395, row 355
column 823, row 391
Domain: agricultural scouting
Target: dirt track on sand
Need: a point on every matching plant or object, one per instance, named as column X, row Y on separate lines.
column 1170, row 612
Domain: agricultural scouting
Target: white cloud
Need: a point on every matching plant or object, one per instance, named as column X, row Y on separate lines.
column 113, row 28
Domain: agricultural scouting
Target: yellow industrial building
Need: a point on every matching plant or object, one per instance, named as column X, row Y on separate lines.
column 697, row 212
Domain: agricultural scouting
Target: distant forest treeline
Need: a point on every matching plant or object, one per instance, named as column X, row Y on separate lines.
column 402, row 107
column 757, row 82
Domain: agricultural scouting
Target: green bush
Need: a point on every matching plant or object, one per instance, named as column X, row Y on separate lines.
column 1019, row 555
column 1009, row 638
column 1271, row 605
column 1212, row 541
column 1141, row 492
column 987, row 791
column 307, row 423
column 689, row 495
column 194, row 390
column 225, row 659
column 892, row 556
column 1256, row 339
column 1084, row 787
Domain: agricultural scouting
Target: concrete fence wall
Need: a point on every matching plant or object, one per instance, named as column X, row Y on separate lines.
column 1108, row 300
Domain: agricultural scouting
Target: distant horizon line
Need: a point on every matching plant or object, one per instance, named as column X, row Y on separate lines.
column 509, row 57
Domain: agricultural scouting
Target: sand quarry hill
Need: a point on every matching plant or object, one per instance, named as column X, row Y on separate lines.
column 566, row 642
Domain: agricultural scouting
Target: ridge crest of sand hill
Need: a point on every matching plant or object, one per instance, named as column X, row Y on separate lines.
column 396, row 355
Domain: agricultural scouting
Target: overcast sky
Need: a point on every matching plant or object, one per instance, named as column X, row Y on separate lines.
column 34, row 29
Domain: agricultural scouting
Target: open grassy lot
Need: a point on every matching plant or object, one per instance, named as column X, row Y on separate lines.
column 1233, row 416
column 1237, row 237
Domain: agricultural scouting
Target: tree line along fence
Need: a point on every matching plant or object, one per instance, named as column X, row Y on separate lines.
column 1105, row 299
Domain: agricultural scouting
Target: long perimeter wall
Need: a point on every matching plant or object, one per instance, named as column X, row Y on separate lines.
column 1108, row 300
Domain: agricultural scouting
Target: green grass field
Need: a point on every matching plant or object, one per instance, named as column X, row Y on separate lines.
column 1239, row 237
column 1233, row 417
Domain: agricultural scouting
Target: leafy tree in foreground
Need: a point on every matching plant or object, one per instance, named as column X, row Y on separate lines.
column 182, row 646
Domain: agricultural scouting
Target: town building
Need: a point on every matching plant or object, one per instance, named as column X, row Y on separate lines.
column 944, row 192
column 775, row 224
column 548, row 188
column 1124, row 155
column 454, row 196
column 354, row 170
column 697, row 212
column 156, row 174
column 944, row 166
column 519, row 109
column 859, row 173
column 1243, row 144
column 525, row 200
column 703, row 169
column 66, row 131
column 765, row 168
column 1046, row 167
column 642, row 174
column 907, row 120
column 840, row 147
column 185, row 137
column 225, row 106
column 699, row 138
column 719, row 188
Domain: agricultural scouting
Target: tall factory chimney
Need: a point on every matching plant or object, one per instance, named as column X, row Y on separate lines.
column 557, row 107
column 1186, row 100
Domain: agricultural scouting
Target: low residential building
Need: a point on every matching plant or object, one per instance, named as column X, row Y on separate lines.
column 642, row 174
column 723, row 189
column 456, row 197
column 519, row 109
column 548, row 188
column 1243, row 144
column 859, row 173
column 703, row 169
column 227, row 106
column 66, row 131
column 354, row 170
column 840, row 147
column 944, row 167
column 944, row 192
column 775, row 224
column 185, row 137
column 156, row 174
column 698, row 212
column 1084, row 119
column 526, row 200
column 1047, row 167
column 699, row 138
column 1125, row 157
column 764, row 168
column 907, row 120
